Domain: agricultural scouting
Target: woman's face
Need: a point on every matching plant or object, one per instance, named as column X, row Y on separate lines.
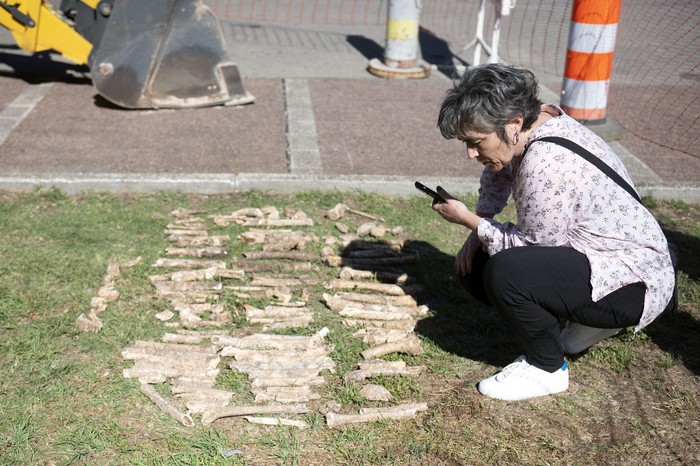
column 488, row 149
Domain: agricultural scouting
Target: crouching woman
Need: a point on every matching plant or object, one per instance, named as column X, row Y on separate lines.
column 584, row 259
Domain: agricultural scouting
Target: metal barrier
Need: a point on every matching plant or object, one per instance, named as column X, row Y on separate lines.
column 654, row 89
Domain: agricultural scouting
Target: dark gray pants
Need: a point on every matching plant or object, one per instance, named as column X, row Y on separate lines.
column 534, row 287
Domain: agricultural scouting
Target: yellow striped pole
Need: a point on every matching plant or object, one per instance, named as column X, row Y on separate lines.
column 401, row 52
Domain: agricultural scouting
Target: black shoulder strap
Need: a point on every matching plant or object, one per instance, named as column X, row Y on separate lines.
column 602, row 166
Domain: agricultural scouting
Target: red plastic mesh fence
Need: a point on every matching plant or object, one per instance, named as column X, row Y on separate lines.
column 655, row 85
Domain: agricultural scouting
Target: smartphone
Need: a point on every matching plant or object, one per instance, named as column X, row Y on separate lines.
column 423, row 188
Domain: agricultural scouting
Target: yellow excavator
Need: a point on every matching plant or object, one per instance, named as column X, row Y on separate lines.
column 140, row 53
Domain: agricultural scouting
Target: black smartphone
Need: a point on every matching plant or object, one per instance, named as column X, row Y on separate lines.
column 423, row 188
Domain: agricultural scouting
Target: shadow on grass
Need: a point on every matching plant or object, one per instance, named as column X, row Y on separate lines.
column 458, row 324
column 688, row 252
column 463, row 326
column 678, row 333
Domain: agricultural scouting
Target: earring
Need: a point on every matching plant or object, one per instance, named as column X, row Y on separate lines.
column 516, row 138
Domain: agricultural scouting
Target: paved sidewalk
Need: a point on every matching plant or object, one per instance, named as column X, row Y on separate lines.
column 320, row 121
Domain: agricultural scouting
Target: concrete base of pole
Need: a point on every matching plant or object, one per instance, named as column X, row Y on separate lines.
column 378, row 68
column 609, row 130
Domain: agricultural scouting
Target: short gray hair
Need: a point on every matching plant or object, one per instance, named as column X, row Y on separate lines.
column 486, row 98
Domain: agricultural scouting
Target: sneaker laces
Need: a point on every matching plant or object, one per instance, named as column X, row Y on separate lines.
column 513, row 367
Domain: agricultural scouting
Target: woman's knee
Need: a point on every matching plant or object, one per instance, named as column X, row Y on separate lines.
column 520, row 274
column 501, row 269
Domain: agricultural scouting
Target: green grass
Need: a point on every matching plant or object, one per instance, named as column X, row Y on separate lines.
column 63, row 399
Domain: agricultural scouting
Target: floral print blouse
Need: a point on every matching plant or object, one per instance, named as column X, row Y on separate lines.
column 563, row 200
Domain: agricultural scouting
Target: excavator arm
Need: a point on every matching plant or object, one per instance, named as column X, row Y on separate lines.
column 37, row 27
column 141, row 54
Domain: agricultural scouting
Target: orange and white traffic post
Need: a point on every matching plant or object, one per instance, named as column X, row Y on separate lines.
column 589, row 59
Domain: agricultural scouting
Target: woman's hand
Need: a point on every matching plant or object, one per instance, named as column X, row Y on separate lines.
column 463, row 261
column 453, row 210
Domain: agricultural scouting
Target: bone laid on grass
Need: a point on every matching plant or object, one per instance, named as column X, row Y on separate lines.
column 405, row 411
column 189, row 263
column 285, row 255
column 397, row 278
column 318, row 364
column 286, row 324
column 188, row 287
column 297, row 394
column 276, row 311
column 175, row 347
column 384, row 288
column 275, row 421
column 293, row 353
column 366, row 314
column 287, row 360
column 358, row 263
column 89, row 323
column 197, row 324
column 187, row 224
column 374, row 336
column 341, row 209
column 232, row 411
column 182, row 388
column 177, row 359
column 406, row 325
column 410, row 345
column 257, row 236
column 187, row 275
column 345, row 296
column 281, row 222
column 261, row 280
column 185, row 241
column 359, row 375
column 197, row 308
column 264, row 382
column 263, row 341
column 197, row 252
column 281, row 373
column 257, row 265
column 198, row 407
column 166, row 406
column 186, row 232
column 151, row 373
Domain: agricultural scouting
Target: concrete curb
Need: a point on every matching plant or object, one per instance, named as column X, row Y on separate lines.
column 230, row 183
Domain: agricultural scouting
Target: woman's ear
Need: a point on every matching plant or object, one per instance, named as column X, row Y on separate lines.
column 516, row 123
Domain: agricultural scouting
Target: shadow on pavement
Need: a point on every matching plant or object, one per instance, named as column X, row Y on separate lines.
column 41, row 68
column 433, row 50
column 367, row 47
column 437, row 52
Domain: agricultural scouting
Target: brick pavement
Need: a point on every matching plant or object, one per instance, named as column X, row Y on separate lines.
column 369, row 133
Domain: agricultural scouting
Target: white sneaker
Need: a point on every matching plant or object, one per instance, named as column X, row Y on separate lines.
column 576, row 337
column 521, row 380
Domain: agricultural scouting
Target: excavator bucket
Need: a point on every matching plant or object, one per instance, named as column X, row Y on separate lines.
column 165, row 54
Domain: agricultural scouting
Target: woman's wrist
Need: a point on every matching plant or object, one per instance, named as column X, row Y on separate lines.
column 472, row 220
